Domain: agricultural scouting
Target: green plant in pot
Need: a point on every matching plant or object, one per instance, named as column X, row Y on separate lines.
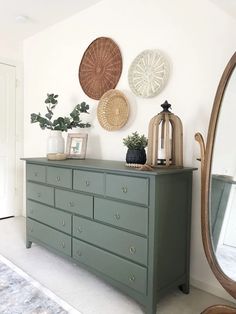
column 136, row 148
column 56, row 142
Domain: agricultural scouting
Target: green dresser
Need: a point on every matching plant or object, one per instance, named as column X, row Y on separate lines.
column 130, row 227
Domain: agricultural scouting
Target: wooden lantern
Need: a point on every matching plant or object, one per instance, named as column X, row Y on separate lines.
column 165, row 139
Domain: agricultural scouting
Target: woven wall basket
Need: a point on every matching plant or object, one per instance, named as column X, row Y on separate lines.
column 100, row 67
column 113, row 110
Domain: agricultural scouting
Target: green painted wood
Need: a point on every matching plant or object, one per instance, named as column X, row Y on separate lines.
column 131, row 189
column 164, row 195
column 74, row 202
column 131, row 217
column 59, row 177
column 117, row 241
column 40, row 193
column 36, row 173
column 91, row 182
column 49, row 216
column 53, row 238
column 117, row 268
column 105, row 165
column 173, row 229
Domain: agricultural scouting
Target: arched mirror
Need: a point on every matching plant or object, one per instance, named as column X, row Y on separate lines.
column 218, row 197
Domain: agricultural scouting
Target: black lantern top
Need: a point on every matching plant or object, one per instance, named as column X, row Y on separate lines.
column 166, row 106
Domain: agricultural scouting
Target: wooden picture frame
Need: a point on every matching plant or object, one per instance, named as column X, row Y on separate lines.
column 76, row 145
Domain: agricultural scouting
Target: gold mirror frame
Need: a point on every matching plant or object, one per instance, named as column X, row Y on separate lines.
column 206, row 161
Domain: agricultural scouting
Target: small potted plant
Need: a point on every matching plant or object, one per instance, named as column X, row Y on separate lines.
column 55, row 142
column 136, row 148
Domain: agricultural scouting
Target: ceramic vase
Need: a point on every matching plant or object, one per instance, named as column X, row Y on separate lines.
column 55, row 142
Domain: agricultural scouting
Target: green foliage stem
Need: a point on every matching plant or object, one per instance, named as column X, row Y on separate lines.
column 61, row 123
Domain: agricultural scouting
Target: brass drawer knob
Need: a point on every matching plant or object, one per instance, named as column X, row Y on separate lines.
column 132, row 278
column 132, row 250
column 79, row 253
column 71, row 204
column 58, row 178
column 87, row 183
column 117, row 216
column 63, row 244
column 63, row 223
column 39, row 194
column 124, row 189
column 79, row 229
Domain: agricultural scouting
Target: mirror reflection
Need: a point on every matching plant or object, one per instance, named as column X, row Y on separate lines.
column 223, row 183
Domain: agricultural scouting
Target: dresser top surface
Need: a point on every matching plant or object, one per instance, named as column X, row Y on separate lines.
column 108, row 165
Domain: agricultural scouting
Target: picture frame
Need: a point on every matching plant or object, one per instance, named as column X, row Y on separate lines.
column 76, row 145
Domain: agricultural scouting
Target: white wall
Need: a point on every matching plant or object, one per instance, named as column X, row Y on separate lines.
column 198, row 38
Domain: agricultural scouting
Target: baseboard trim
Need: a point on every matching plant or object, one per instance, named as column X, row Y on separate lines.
column 219, row 292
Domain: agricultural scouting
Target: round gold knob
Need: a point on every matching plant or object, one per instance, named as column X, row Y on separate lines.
column 79, row 229
column 87, row 183
column 71, row 204
column 132, row 278
column 63, row 244
column 79, row 253
column 124, row 189
column 117, row 216
column 63, row 223
column 58, row 179
column 132, row 250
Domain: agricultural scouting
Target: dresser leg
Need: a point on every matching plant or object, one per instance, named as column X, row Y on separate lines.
column 28, row 244
column 184, row 288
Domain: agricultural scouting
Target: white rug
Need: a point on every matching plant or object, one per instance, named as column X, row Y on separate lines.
column 20, row 294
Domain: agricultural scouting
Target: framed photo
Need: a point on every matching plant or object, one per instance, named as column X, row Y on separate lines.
column 76, row 145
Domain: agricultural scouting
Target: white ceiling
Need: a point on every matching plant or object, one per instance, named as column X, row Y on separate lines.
column 40, row 13
column 43, row 13
column 229, row 6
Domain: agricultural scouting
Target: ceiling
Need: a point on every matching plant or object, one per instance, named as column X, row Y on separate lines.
column 229, row 6
column 43, row 13
column 39, row 15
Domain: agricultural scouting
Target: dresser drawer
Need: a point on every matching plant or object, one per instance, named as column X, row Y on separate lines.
column 74, row 202
column 50, row 216
column 117, row 268
column 111, row 239
column 87, row 181
column 40, row 193
column 55, row 239
column 127, row 188
column 131, row 217
column 59, row 177
column 36, row 173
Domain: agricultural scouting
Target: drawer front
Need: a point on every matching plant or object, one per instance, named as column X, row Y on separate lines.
column 36, row 173
column 117, row 268
column 74, row 202
column 59, row 177
column 40, row 193
column 55, row 239
column 127, row 188
column 50, row 216
column 114, row 240
column 131, row 217
column 91, row 182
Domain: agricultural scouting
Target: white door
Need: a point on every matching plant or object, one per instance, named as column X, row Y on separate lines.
column 7, row 140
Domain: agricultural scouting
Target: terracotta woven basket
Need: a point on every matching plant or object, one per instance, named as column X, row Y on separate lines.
column 100, row 67
column 113, row 110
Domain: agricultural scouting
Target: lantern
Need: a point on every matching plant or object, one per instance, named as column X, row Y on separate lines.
column 165, row 139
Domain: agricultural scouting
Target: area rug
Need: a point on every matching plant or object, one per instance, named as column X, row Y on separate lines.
column 21, row 294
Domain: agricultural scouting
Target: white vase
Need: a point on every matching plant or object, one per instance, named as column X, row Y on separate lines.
column 55, row 142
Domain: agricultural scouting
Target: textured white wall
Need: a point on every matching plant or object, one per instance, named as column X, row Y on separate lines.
column 198, row 38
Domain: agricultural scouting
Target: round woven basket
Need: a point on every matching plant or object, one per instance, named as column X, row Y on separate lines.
column 113, row 110
column 100, row 67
